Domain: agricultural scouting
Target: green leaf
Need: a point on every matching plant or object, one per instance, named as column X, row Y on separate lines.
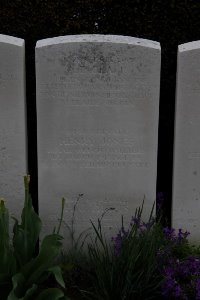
column 26, row 235
column 18, row 282
column 17, row 292
column 32, row 273
column 50, row 249
column 4, row 226
column 56, row 271
column 7, row 259
column 51, row 294
column 61, row 217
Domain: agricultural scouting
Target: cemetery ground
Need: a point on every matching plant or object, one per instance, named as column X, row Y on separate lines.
column 143, row 261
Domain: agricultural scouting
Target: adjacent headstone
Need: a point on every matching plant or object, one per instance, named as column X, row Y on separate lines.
column 97, row 110
column 13, row 160
column 186, row 178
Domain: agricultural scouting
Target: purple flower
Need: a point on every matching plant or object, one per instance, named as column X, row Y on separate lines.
column 183, row 269
column 117, row 244
column 135, row 221
column 181, row 278
column 142, row 226
column 194, row 264
column 169, row 233
column 124, row 232
column 118, row 240
column 177, row 291
column 171, row 289
column 168, row 286
column 168, row 271
column 182, row 234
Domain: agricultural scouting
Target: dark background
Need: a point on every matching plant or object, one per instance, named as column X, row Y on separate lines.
column 170, row 22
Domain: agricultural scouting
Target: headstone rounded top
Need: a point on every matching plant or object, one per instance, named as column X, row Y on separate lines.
column 7, row 39
column 98, row 38
column 189, row 46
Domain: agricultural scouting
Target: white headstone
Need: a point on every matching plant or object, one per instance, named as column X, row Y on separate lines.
column 13, row 160
column 97, row 109
column 186, row 178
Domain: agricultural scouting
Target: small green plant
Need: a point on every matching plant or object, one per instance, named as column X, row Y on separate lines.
column 76, row 243
column 73, row 260
column 21, row 272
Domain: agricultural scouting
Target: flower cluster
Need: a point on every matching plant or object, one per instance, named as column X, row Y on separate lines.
column 142, row 226
column 170, row 234
column 118, row 240
column 139, row 226
column 182, row 279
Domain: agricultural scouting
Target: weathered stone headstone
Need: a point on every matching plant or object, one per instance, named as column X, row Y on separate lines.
column 13, row 160
column 186, row 178
column 97, row 109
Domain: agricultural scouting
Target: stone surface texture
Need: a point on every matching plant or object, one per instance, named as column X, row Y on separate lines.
column 97, row 109
column 13, row 160
column 186, row 174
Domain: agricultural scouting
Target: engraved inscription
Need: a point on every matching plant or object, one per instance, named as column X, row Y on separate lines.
column 7, row 78
column 69, row 94
column 99, row 150
column 194, row 155
column 3, row 150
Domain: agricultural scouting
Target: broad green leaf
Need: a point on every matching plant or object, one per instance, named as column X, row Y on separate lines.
column 7, row 265
column 4, row 231
column 50, row 249
column 56, row 271
column 7, row 259
column 4, row 226
column 30, row 292
column 18, row 282
column 18, row 292
column 26, row 235
column 28, row 295
column 36, row 268
column 51, row 294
